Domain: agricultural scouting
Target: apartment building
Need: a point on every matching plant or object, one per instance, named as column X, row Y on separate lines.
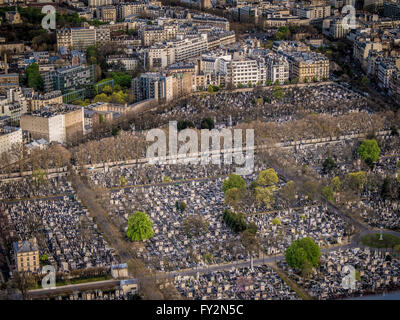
column 277, row 68
column 245, row 70
column 210, row 20
column 13, row 105
column 128, row 63
column 26, row 255
column 8, row 81
column 129, row 8
column 186, row 48
column 160, row 56
column 153, row 34
column 81, row 38
column 313, row 12
column 9, row 136
column 336, row 29
column 386, row 69
column 107, row 13
column 361, row 48
column 71, row 78
column 152, row 85
column 54, row 123
column 99, row 3
column 307, row 66
column 37, row 100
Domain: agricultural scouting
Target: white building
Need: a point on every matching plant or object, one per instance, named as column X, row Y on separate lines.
column 277, row 68
column 246, row 70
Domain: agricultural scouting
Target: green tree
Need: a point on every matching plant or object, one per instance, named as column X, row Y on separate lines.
column 301, row 252
column 182, row 206
column 356, row 180
column 34, row 78
column 276, row 221
column 210, row 89
column 369, row 151
column 107, row 89
column 278, row 93
column 267, row 177
column 233, row 196
column 207, row 123
column 336, row 184
column 233, row 181
column 39, row 176
column 140, row 227
column 328, row 165
column 327, row 192
column 265, row 195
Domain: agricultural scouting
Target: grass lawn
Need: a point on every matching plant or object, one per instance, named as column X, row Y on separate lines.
column 372, row 240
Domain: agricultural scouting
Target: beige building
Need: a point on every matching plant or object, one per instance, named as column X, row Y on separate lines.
column 54, row 123
column 37, row 101
column 82, row 38
column 150, row 34
column 26, row 255
column 107, row 13
column 308, row 66
column 9, row 136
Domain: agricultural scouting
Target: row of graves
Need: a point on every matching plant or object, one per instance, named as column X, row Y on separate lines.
column 26, row 187
column 327, row 228
column 65, row 232
column 379, row 213
column 257, row 283
column 171, row 248
column 139, row 174
column 350, row 272
column 324, row 99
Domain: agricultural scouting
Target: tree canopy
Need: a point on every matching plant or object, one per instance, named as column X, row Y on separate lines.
column 369, row 150
column 267, row 177
column 33, row 77
column 140, row 227
column 303, row 252
column 233, row 181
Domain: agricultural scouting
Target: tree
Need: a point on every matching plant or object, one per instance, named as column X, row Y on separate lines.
column 194, row 225
column 249, row 241
column 265, row 195
column 356, row 180
column 210, row 89
column 301, row 252
column 140, row 227
column 336, row 184
column 276, row 221
column 233, row 181
column 310, row 189
column 207, row 123
column 34, row 78
column 278, row 93
column 267, row 177
column 233, row 196
column 389, row 189
column 328, row 165
column 369, row 151
column 39, row 176
column 327, row 192
column 288, row 191
column 182, row 206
